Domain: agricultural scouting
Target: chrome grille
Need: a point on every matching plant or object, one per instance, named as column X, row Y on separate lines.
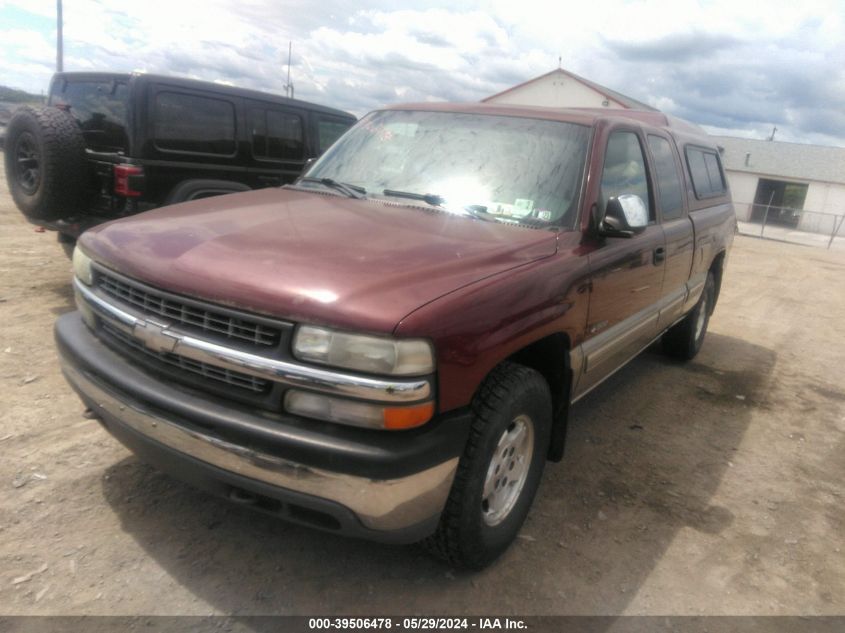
column 207, row 320
column 233, row 378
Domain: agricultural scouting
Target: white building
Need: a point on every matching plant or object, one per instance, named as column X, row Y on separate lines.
column 563, row 89
column 802, row 185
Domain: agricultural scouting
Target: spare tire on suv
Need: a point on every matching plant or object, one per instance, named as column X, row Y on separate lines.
column 45, row 162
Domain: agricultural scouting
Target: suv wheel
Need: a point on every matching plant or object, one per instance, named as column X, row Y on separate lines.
column 45, row 162
column 500, row 469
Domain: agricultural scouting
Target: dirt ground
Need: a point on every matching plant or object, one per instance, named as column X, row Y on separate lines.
column 715, row 487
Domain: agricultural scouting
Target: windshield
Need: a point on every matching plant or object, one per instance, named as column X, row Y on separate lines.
column 509, row 169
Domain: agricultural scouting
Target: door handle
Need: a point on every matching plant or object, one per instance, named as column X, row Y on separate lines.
column 659, row 255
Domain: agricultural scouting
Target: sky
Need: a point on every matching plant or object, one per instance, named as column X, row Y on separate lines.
column 735, row 67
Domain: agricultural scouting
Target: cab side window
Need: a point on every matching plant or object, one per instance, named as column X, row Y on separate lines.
column 668, row 179
column 705, row 169
column 624, row 170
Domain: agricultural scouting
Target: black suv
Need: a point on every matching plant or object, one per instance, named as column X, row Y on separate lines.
column 109, row 145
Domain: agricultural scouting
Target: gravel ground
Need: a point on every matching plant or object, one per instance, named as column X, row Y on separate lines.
column 715, row 487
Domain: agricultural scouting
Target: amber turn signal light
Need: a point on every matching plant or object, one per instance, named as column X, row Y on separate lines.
column 398, row 418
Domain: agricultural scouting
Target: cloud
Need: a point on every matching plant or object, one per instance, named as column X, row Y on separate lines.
column 787, row 69
column 30, row 46
column 720, row 63
column 678, row 47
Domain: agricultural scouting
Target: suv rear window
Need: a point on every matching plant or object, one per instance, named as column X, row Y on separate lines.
column 100, row 109
column 191, row 123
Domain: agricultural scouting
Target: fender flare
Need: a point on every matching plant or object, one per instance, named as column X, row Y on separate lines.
column 203, row 188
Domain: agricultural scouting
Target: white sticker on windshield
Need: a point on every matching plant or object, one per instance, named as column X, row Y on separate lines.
column 522, row 207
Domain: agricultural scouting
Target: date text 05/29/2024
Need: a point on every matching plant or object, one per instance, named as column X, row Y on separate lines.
column 416, row 623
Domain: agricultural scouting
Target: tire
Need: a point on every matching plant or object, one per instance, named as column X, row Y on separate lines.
column 684, row 339
column 476, row 527
column 45, row 161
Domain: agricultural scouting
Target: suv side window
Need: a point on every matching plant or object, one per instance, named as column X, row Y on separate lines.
column 706, row 172
column 277, row 135
column 328, row 131
column 624, row 170
column 190, row 123
column 668, row 179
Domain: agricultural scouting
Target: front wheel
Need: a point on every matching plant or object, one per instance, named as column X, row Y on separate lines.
column 500, row 469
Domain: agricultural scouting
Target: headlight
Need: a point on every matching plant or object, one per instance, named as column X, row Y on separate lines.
column 398, row 357
column 82, row 266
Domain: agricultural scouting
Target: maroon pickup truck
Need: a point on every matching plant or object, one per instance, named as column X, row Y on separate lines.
column 388, row 347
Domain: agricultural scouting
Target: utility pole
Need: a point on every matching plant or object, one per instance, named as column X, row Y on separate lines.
column 60, row 61
column 289, row 85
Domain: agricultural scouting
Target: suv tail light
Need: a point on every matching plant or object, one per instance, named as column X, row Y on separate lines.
column 126, row 178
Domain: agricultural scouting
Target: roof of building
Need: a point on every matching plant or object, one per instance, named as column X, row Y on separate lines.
column 618, row 97
column 787, row 160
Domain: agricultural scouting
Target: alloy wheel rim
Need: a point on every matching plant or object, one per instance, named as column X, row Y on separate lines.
column 508, row 470
column 28, row 163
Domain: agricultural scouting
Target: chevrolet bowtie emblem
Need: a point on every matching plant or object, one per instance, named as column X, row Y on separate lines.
column 155, row 336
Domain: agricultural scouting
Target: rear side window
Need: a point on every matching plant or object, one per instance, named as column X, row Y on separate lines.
column 706, row 172
column 277, row 135
column 329, row 130
column 190, row 123
column 100, row 109
column 624, row 170
column 668, row 179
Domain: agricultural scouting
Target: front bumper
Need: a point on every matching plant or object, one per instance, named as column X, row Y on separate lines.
column 388, row 486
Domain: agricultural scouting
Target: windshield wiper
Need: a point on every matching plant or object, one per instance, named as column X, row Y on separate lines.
column 431, row 198
column 351, row 191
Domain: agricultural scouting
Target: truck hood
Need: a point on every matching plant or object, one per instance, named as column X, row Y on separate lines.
column 312, row 257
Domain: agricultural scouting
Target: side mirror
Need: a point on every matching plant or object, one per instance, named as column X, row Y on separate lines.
column 624, row 216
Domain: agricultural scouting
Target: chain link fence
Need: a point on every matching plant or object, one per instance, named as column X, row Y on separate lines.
column 799, row 226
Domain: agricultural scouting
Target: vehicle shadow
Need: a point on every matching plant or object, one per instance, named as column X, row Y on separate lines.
column 63, row 292
column 645, row 453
